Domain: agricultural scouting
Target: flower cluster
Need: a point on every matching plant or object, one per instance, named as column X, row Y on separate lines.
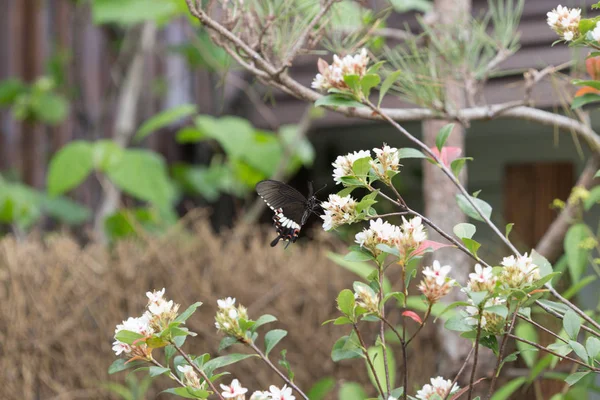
column 338, row 211
column 332, row 76
column 406, row 238
column 366, row 297
column 481, row 280
column 565, row 22
column 438, row 388
column 159, row 314
column 387, row 161
column 436, row 283
column 190, row 377
column 236, row 391
column 490, row 321
column 519, row 271
column 228, row 317
column 343, row 164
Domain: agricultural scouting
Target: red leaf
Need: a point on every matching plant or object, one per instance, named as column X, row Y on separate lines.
column 448, row 154
column 592, row 65
column 428, row 244
column 414, row 316
column 322, row 66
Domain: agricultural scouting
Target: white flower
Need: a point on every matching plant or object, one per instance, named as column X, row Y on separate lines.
column 379, row 232
column 156, row 296
column 258, row 395
column 332, row 76
column 366, row 297
column 234, row 390
column 481, row 274
column 392, row 398
column 437, row 272
column 185, row 369
column 519, row 271
column 338, row 211
column 139, row 325
column 482, row 279
column 343, row 164
column 438, row 388
column 285, row 393
column 388, row 159
column 565, row 22
column 489, row 321
column 158, row 306
column 227, row 303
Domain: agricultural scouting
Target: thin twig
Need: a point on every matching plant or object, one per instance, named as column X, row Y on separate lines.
column 547, row 350
column 198, row 370
column 460, row 371
column 427, row 314
column 366, row 354
column 476, row 344
column 572, row 306
column 542, row 328
column 501, row 354
column 560, row 316
column 171, row 374
column 382, row 336
column 277, row 371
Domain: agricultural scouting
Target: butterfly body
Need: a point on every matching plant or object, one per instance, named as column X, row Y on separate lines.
column 290, row 206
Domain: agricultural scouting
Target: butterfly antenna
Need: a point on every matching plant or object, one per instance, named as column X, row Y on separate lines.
column 324, row 186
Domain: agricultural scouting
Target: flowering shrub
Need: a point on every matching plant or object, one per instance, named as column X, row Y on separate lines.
column 494, row 297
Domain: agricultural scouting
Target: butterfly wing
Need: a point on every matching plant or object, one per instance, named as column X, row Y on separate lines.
column 289, row 205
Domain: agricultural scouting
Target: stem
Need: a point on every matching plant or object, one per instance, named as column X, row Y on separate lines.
column 444, row 169
column 427, row 314
column 559, row 316
column 460, row 371
column 501, row 354
column 198, row 370
column 366, row 353
column 474, row 369
column 171, row 375
column 382, row 335
column 572, row 306
column 532, row 322
column 542, row 348
column 274, row 368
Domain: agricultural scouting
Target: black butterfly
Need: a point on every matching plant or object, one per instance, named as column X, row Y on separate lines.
column 291, row 208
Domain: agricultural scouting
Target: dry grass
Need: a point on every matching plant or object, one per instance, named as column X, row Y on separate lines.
column 60, row 302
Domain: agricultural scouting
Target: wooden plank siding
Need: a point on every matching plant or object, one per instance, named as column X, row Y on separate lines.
column 34, row 30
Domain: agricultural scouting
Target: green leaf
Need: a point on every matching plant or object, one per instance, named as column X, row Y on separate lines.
column 336, row 100
column 477, row 297
column 408, row 152
column 353, row 82
column 576, row 255
column 542, row 263
column 361, row 269
column 235, row 135
column 264, row 319
column 345, row 348
column 157, row 371
column 272, row 338
column 469, row 210
column 471, row 245
column 188, row 392
column 377, row 359
column 592, row 346
column 579, row 350
column 50, row 108
column 388, row 249
column 592, row 199
column 590, row 83
column 526, row 331
column 387, row 84
column 587, row 98
column 345, row 302
column 10, row 89
column 189, row 134
column 597, row 174
column 188, row 313
column 508, row 229
column 106, row 153
column 143, row 174
column 321, row 388
column 361, row 166
column 226, row 342
column 457, row 165
column 498, row 310
column 129, row 12
column 164, row 118
column 224, row 361
column 464, row 230
column 121, row 364
column 359, row 256
column 402, row 6
column 69, row 167
column 351, row 391
column 457, row 323
column 504, row 392
column 443, row 135
column 368, row 82
column 576, row 377
column 128, row 336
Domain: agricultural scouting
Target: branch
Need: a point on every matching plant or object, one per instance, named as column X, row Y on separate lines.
column 551, row 244
column 198, row 370
column 131, row 89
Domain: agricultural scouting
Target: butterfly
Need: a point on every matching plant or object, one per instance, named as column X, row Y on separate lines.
column 291, row 208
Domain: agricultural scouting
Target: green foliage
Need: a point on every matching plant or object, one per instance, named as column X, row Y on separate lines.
column 133, row 389
column 129, row 12
column 272, row 338
column 351, row 391
column 70, row 166
column 577, row 255
column 321, row 389
column 163, row 119
column 464, row 230
column 376, row 355
column 587, row 98
column 443, row 136
column 468, row 209
column 527, row 352
column 38, row 102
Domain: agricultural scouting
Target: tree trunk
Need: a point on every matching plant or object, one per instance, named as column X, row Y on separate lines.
column 439, row 194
